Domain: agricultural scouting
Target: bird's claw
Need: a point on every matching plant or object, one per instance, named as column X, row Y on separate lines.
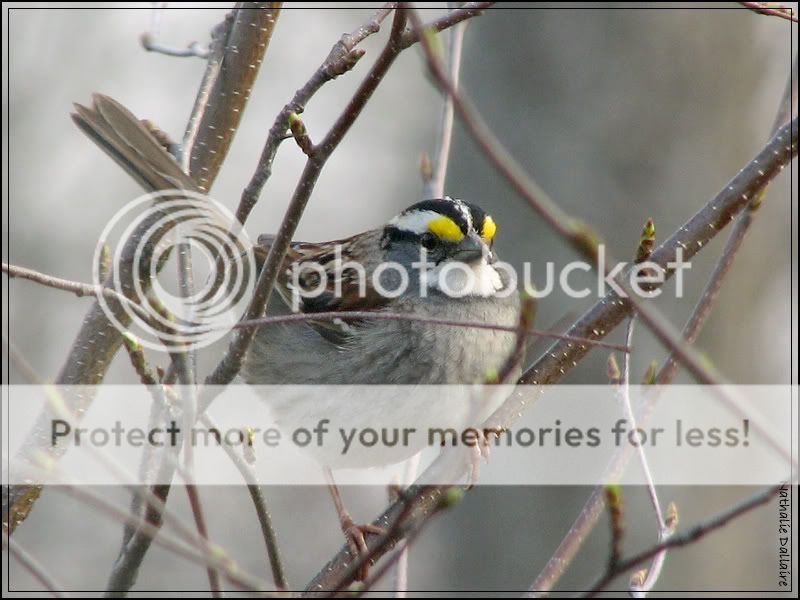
column 357, row 542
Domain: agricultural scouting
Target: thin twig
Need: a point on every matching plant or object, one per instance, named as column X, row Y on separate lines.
column 663, row 530
column 195, row 552
column 259, row 503
column 770, row 9
column 589, row 514
column 151, row 44
column 686, row 538
column 157, row 509
column 434, row 186
column 215, row 586
column 512, row 366
column 37, row 570
column 702, row 310
column 625, row 398
column 76, row 287
column 150, row 39
column 452, row 18
column 642, row 583
column 343, row 57
column 390, row 316
column 86, row 289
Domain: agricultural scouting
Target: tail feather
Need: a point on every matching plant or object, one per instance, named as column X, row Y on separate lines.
column 123, row 137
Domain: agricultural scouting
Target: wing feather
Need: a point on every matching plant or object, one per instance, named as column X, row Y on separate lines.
column 318, row 290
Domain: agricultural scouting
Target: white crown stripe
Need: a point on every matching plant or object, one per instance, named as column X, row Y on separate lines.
column 416, row 221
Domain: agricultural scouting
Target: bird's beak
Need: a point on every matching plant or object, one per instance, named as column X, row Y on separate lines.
column 472, row 249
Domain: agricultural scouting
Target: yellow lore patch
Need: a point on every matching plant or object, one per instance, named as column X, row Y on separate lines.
column 446, row 229
column 489, row 229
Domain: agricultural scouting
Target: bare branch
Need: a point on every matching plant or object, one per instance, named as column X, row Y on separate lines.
column 772, row 9
column 589, row 514
column 690, row 238
column 389, row 316
column 215, row 586
column 454, row 17
column 195, row 552
column 87, row 289
column 625, row 397
column 237, row 50
column 260, row 504
column 586, row 241
column 150, row 39
column 33, row 567
column 343, row 56
column 711, row 292
column 513, row 365
column 156, row 507
column 434, row 186
column 76, row 287
column 687, row 537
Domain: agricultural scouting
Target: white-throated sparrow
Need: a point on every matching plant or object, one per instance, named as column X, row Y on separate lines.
column 442, row 269
column 433, row 261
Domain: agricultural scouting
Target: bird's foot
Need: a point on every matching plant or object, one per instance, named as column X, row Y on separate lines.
column 358, row 544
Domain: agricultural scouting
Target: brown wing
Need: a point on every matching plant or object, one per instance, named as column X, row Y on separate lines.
column 314, row 270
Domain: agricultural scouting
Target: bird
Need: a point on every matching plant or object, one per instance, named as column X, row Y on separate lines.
column 456, row 280
column 445, row 247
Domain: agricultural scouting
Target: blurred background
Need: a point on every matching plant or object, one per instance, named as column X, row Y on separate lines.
column 620, row 114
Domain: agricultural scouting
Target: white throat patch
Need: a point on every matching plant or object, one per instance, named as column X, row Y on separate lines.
column 458, row 279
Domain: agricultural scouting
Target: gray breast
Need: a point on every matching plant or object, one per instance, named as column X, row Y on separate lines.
column 390, row 352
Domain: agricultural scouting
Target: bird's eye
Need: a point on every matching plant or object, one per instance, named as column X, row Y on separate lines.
column 429, row 241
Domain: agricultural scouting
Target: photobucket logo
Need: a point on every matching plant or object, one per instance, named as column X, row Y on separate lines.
column 309, row 279
column 155, row 228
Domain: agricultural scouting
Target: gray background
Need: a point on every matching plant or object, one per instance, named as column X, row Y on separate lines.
column 620, row 114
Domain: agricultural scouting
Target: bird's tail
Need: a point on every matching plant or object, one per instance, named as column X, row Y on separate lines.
column 125, row 138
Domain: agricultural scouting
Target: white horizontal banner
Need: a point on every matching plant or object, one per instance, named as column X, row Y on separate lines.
column 283, row 435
